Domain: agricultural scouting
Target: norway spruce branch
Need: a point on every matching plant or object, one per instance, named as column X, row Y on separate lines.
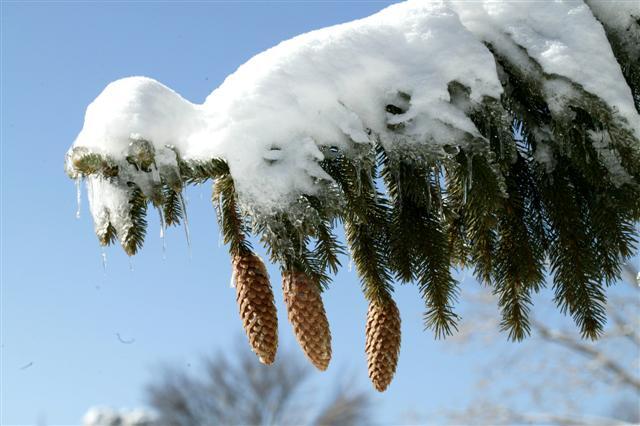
column 609, row 205
column 133, row 237
column 568, row 140
column 108, row 234
column 437, row 285
column 172, row 207
column 523, row 97
column 328, row 247
column 614, row 233
column 234, row 228
column 585, row 116
column 519, row 259
column 366, row 223
column 403, row 184
column 625, row 49
column 418, row 241
column 287, row 236
column 197, row 172
column 85, row 163
column 475, row 193
column 300, row 259
column 517, row 268
column 573, row 257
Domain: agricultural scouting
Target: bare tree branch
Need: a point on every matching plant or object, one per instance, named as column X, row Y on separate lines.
column 588, row 350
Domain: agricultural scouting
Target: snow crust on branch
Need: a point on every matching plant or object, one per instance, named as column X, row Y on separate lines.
column 564, row 38
column 274, row 119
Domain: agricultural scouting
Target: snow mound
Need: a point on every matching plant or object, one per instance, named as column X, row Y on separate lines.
column 137, row 108
column 330, row 87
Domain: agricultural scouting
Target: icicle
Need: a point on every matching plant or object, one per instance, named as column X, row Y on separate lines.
column 429, row 193
column 358, row 181
column 302, row 244
column 399, row 195
column 350, row 258
column 219, row 217
column 218, row 209
column 163, row 227
column 183, row 203
column 465, row 189
column 78, row 197
column 103, row 256
column 155, row 174
column 439, row 190
column 469, row 171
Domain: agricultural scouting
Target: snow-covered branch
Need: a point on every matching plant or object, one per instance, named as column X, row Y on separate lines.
column 498, row 135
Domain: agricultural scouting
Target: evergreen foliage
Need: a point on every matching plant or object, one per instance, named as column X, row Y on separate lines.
column 541, row 188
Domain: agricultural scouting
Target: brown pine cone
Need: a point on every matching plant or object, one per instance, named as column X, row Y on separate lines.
column 257, row 306
column 382, row 342
column 307, row 317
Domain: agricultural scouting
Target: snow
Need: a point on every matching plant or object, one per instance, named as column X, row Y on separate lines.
column 327, row 87
column 617, row 14
column 108, row 203
column 137, row 108
column 272, row 118
column 564, row 38
column 106, row 416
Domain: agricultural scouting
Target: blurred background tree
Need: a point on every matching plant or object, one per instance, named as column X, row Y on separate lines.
column 234, row 388
column 556, row 371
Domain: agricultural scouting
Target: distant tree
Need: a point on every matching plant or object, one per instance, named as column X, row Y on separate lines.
column 236, row 389
column 559, row 373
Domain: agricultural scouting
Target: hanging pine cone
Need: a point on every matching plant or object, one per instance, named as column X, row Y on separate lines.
column 256, row 304
column 307, row 317
column 382, row 342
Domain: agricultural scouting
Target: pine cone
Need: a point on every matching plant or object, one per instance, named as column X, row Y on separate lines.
column 382, row 342
column 308, row 318
column 256, row 304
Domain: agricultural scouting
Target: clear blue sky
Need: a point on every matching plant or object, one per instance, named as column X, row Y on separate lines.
column 60, row 310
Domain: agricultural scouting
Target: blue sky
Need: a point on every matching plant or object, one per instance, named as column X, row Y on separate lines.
column 61, row 311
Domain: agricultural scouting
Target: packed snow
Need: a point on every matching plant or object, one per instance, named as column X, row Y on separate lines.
column 562, row 37
column 271, row 119
column 617, row 14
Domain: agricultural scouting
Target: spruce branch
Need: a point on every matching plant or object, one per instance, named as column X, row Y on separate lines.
column 327, row 247
column 624, row 44
column 418, row 241
column 366, row 222
column 475, row 193
column 521, row 233
column 107, row 234
column 573, row 256
column 198, row 172
column 172, row 207
column 81, row 162
column 232, row 224
column 135, row 231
